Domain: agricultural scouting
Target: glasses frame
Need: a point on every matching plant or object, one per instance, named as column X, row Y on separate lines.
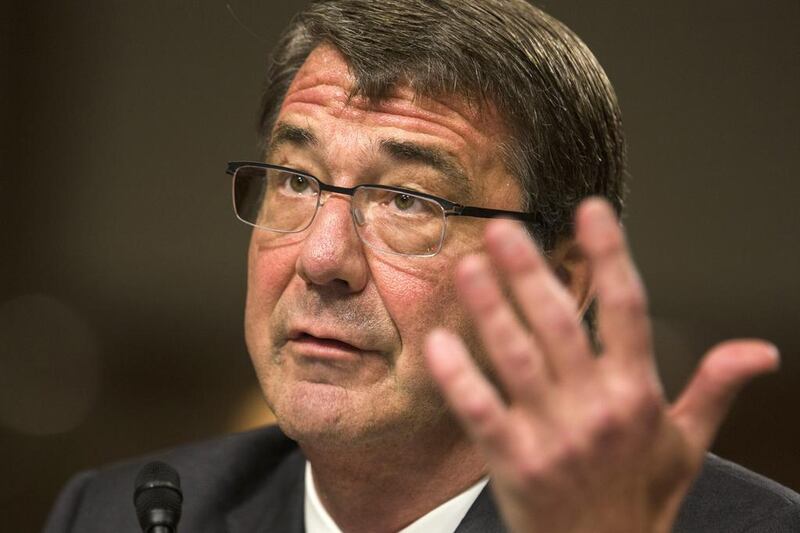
column 449, row 208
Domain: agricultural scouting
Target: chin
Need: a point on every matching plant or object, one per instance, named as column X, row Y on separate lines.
column 313, row 412
column 333, row 417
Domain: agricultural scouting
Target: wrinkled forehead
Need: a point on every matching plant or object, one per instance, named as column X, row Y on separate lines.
column 448, row 134
column 327, row 78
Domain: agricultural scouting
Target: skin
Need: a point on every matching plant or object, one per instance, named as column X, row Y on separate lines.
column 355, row 411
column 572, row 442
column 581, row 443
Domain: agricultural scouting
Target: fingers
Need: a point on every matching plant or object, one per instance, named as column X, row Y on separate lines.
column 518, row 362
column 722, row 373
column 623, row 322
column 474, row 401
column 546, row 304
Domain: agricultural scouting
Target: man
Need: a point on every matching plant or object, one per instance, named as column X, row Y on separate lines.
column 413, row 349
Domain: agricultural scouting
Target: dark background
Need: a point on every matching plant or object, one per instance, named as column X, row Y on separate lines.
column 123, row 269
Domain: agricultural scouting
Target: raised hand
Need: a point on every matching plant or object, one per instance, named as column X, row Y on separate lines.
column 577, row 442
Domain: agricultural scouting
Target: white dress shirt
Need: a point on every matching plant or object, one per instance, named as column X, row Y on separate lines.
column 443, row 519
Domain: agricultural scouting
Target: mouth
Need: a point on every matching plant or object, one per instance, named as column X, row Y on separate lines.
column 332, row 349
column 307, row 338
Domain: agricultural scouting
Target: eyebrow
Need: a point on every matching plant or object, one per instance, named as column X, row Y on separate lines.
column 406, row 151
column 400, row 151
column 285, row 133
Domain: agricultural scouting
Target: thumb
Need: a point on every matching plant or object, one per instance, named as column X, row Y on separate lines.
column 725, row 369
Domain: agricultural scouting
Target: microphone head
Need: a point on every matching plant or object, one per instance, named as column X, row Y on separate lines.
column 157, row 496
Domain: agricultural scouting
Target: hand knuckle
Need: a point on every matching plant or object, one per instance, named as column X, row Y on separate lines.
column 604, row 423
column 561, row 324
column 645, row 404
column 517, row 359
column 715, row 371
column 480, row 414
column 608, row 245
column 486, row 303
column 569, row 451
column 630, row 301
column 531, row 470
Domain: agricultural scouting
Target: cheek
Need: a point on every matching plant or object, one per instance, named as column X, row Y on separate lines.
column 270, row 268
column 420, row 300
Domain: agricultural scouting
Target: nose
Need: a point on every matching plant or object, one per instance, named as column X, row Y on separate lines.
column 332, row 253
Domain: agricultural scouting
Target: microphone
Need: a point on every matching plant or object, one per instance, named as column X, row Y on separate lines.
column 157, row 497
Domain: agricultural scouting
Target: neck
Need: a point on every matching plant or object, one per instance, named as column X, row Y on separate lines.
column 386, row 486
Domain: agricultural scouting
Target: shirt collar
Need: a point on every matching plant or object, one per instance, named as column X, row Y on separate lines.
column 444, row 518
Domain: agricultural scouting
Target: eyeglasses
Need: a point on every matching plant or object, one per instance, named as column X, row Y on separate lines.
column 391, row 220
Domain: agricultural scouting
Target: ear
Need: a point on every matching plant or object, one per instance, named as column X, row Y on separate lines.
column 572, row 269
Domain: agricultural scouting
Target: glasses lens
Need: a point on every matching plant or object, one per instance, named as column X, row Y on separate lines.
column 399, row 223
column 274, row 199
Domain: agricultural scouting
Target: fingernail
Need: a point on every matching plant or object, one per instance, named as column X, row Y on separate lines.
column 600, row 215
column 437, row 336
column 598, row 219
column 473, row 271
column 438, row 344
column 774, row 353
column 507, row 238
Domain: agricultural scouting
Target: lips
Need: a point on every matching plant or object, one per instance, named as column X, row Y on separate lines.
column 319, row 345
column 305, row 338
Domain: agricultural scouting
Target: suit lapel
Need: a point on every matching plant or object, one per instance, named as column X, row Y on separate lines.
column 482, row 517
column 276, row 505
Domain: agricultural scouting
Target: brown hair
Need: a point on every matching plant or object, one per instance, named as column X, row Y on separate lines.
column 565, row 137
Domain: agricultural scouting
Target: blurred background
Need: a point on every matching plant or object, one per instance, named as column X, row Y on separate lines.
column 122, row 268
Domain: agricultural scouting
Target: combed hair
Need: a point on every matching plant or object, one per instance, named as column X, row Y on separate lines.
column 564, row 133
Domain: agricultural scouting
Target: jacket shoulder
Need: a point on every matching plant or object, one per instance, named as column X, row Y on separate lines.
column 215, row 474
column 729, row 498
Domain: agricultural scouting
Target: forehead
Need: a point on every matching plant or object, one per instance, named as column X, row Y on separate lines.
column 321, row 98
column 326, row 81
column 326, row 78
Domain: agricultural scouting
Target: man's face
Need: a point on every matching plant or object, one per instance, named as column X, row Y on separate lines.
column 335, row 329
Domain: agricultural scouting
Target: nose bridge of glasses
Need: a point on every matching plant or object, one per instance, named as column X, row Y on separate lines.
column 329, row 190
column 326, row 190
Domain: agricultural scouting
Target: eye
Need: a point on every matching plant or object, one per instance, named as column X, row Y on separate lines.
column 293, row 185
column 298, row 183
column 404, row 202
column 410, row 205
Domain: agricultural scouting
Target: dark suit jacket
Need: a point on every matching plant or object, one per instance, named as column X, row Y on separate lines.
column 254, row 482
